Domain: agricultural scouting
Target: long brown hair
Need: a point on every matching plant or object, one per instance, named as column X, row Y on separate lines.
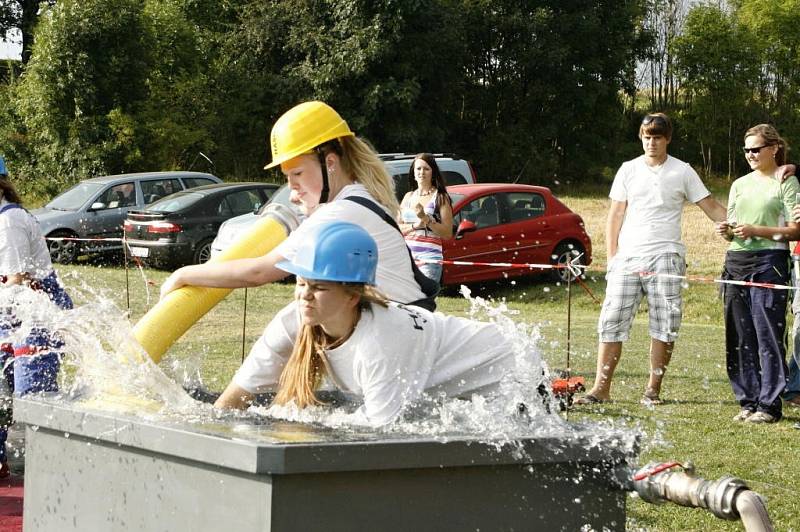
column 772, row 138
column 437, row 179
column 9, row 192
column 307, row 364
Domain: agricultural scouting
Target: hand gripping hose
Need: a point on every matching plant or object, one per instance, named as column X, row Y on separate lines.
column 171, row 317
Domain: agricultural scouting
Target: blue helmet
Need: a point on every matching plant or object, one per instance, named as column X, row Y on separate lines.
column 3, row 171
column 339, row 252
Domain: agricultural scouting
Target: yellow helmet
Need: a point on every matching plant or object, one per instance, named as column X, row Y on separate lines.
column 303, row 128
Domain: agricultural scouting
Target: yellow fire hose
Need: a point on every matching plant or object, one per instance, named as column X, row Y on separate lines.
column 171, row 317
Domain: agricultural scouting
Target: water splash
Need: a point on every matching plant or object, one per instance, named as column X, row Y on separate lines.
column 105, row 369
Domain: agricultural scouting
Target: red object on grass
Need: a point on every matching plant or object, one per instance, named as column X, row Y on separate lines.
column 11, row 491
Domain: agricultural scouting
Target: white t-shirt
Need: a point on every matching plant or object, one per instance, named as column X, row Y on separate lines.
column 393, row 356
column 655, row 197
column 395, row 277
column 23, row 249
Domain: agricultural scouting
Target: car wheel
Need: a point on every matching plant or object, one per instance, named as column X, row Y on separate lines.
column 563, row 254
column 203, row 251
column 63, row 251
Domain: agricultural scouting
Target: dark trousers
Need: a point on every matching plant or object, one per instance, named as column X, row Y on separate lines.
column 755, row 341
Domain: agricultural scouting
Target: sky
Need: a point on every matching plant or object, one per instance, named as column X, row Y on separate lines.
column 11, row 49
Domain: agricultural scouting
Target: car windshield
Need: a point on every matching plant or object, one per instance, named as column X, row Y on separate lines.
column 175, row 202
column 74, row 198
column 282, row 196
column 456, row 197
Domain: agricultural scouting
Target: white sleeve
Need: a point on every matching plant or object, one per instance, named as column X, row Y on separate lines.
column 619, row 188
column 330, row 212
column 15, row 249
column 262, row 368
column 695, row 189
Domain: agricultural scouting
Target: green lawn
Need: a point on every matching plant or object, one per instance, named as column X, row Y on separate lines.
column 694, row 424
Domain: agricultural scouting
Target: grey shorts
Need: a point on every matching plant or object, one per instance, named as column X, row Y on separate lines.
column 625, row 288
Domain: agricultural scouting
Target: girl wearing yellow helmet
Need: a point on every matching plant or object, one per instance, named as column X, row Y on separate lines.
column 325, row 163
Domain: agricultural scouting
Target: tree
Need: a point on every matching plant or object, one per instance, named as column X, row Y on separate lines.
column 717, row 63
column 22, row 15
column 109, row 89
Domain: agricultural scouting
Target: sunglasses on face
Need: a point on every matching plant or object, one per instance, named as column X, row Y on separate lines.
column 757, row 149
column 650, row 119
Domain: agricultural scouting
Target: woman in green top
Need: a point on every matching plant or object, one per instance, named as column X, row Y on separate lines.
column 759, row 228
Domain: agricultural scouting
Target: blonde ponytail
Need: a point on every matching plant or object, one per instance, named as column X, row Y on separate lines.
column 361, row 162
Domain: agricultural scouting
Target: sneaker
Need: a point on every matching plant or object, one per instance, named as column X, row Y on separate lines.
column 762, row 417
column 743, row 415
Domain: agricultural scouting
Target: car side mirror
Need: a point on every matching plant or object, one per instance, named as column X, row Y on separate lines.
column 466, row 226
column 98, row 206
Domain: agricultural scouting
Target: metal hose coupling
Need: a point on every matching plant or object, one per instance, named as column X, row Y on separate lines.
column 657, row 483
column 286, row 216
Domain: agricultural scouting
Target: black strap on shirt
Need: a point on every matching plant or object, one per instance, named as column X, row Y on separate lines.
column 428, row 286
column 9, row 206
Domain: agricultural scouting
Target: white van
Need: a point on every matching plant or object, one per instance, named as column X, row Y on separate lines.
column 456, row 171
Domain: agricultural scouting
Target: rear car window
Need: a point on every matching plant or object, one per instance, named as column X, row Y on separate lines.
column 192, row 182
column 156, row 189
column 176, row 203
column 240, row 202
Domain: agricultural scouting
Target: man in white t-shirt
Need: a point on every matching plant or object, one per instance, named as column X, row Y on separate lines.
column 643, row 234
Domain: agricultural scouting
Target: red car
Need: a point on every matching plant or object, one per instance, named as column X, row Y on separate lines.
column 499, row 223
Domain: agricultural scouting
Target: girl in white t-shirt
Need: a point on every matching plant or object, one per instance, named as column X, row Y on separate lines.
column 341, row 329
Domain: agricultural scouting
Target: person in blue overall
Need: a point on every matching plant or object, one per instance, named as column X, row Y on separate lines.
column 24, row 260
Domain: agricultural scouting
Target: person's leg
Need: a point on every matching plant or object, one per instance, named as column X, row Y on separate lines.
column 741, row 347
column 608, row 354
column 660, row 355
column 792, row 393
column 665, row 309
column 623, row 295
column 769, row 321
column 431, row 271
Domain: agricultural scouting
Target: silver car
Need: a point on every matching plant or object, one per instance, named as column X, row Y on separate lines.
column 77, row 221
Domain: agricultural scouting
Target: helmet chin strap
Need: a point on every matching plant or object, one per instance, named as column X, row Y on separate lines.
column 323, row 195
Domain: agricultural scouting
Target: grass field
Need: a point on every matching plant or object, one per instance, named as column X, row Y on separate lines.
column 694, row 423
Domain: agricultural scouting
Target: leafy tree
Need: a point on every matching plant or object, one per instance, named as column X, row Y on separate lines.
column 111, row 87
column 22, row 15
column 718, row 67
column 545, row 80
column 772, row 25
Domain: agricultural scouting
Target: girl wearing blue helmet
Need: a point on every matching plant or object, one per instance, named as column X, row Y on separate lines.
column 341, row 330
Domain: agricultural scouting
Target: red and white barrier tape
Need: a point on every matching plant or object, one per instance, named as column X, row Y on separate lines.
column 73, row 239
column 574, row 266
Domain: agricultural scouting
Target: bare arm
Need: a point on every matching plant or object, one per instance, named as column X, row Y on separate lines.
column 779, row 234
column 16, row 278
column 239, row 273
column 234, row 397
column 713, row 209
column 784, row 172
column 616, row 214
column 443, row 229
